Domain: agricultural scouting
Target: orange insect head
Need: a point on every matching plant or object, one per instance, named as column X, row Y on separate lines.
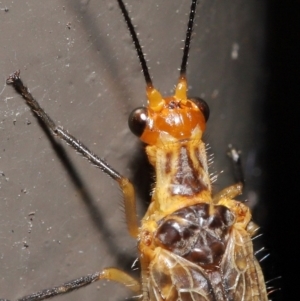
column 174, row 117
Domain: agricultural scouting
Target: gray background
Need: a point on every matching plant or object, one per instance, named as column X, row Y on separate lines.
column 77, row 57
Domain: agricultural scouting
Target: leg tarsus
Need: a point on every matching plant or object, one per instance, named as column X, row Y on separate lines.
column 125, row 185
column 235, row 156
column 108, row 274
column 228, row 192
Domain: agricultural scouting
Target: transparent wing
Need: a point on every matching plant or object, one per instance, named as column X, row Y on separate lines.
column 175, row 278
column 242, row 274
column 238, row 278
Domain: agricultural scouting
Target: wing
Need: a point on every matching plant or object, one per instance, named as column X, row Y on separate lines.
column 242, row 274
column 172, row 278
column 206, row 255
column 239, row 277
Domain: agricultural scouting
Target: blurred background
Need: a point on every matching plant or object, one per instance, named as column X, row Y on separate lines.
column 61, row 218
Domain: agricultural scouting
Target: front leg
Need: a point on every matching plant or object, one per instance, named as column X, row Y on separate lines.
column 58, row 131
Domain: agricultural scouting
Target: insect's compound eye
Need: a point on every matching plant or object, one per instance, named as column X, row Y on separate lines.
column 202, row 105
column 137, row 121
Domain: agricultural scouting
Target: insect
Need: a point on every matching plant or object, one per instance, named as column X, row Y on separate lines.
column 14, row 80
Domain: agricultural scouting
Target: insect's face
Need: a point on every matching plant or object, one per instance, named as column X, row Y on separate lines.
column 169, row 119
column 88, row 78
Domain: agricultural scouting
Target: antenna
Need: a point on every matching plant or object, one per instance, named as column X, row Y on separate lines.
column 136, row 43
column 187, row 42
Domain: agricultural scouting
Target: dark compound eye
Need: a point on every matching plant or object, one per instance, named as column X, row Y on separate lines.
column 202, row 105
column 137, row 121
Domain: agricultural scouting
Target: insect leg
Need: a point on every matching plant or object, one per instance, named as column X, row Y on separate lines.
column 236, row 189
column 236, row 160
column 124, row 183
column 228, row 192
column 108, row 274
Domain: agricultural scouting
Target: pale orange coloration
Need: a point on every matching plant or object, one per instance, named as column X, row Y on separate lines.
column 193, row 246
column 179, row 122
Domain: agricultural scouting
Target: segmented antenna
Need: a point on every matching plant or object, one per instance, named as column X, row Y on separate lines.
column 187, row 42
column 136, row 43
